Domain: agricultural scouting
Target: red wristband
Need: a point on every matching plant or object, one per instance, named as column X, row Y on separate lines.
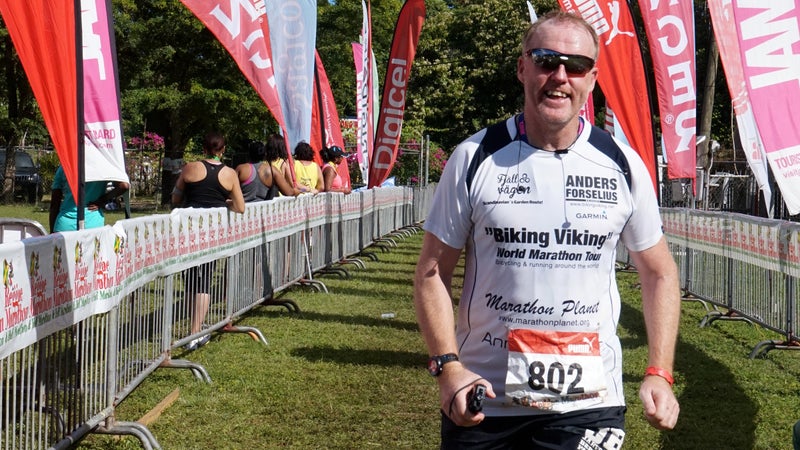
column 659, row 372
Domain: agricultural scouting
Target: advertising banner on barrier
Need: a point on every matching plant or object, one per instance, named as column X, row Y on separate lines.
column 49, row 284
column 55, row 281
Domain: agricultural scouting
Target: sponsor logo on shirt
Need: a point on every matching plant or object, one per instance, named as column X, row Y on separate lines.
column 582, row 188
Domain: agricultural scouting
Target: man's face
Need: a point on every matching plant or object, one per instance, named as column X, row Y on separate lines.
column 554, row 96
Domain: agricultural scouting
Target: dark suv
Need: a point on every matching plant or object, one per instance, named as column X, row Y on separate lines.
column 27, row 182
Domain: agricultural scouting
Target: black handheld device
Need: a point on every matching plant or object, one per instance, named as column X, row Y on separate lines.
column 475, row 399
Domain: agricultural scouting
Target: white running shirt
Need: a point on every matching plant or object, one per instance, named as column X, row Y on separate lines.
column 540, row 230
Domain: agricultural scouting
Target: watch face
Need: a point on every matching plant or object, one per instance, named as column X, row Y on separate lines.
column 433, row 366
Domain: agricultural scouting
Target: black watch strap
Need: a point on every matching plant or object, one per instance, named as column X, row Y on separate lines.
column 436, row 363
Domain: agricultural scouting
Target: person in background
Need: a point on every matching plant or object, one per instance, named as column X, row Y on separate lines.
column 332, row 181
column 276, row 156
column 539, row 202
column 258, row 179
column 308, row 175
column 254, row 186
column 64, row 210
column 208, row 183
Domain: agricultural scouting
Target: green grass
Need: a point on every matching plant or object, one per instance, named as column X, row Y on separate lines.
column 337, row 376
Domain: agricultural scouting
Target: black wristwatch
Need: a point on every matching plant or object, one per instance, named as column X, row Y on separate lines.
column 436, row 363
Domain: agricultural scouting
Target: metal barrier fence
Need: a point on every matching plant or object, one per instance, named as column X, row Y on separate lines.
column 92, row 313
column 746, row 268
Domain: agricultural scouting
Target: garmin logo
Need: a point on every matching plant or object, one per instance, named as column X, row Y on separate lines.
column 592, row 216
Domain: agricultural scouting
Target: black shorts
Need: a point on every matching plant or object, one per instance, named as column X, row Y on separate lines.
column 197, row 279
column 600, row 429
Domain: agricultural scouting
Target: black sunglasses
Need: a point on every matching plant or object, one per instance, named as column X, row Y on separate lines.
column 550, row 60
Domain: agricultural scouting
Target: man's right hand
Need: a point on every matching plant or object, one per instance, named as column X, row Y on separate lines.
column 455, row 384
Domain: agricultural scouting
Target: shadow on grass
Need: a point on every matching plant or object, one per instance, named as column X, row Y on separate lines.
column 360, row 357
column 715, row 412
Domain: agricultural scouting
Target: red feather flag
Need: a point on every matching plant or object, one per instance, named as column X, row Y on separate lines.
column 393, row 101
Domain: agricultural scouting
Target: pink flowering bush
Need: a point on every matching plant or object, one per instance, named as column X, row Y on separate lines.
column 406, row 167
column 149, row 142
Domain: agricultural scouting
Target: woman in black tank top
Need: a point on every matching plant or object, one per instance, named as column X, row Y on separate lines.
column 206, row 184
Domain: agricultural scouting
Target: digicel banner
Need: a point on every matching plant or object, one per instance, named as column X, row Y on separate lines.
column 670, row 31
column 621, row 72
column 393, row 102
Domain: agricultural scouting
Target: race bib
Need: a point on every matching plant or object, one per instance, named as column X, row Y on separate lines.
column 555, row 371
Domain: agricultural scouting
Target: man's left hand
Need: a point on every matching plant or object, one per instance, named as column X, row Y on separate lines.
column 661, row 408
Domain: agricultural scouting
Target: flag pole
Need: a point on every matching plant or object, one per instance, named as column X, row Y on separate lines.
column 80, row 200
column 320, row 106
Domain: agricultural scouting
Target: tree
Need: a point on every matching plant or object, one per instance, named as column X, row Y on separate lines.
column 176, row 79
column 464, row 77
column 338, row 26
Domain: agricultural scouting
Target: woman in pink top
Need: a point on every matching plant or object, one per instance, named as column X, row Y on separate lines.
column 333, row 182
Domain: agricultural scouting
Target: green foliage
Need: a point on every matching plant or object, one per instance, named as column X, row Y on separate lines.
column 48, row 163
column 177, row 79
column 464, row 77
column 338, row 26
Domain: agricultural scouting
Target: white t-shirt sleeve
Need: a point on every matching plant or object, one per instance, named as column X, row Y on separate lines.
column 644, row 229
column 449, row 217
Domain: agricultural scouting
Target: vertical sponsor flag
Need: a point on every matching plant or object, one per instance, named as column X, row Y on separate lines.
column 293, row 35
column 621, row 74
column 531, row 12
column 393, row 103
column 326, row 130
column 670, row 30
column 361, row 104
column 241, row 27
column 364, row 94
column 104, row 151
column 609, row 125
column 43, row 33
column 769, row 40
column 728, row 43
